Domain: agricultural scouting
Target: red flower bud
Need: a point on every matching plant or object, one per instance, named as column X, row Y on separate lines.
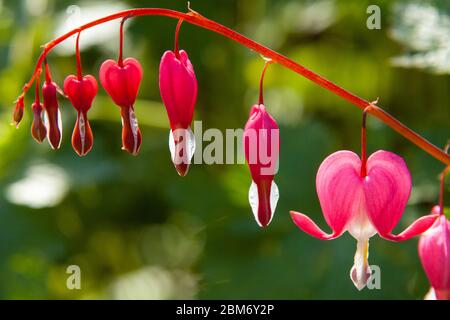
column 18, row 111
column 81, row 93
column 261, row 147
column 178, row 88
column 122, row 84
column 53, row 119
column 38, row 130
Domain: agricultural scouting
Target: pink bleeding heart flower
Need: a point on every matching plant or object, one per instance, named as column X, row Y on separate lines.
column 261, row 142
column 363, row 204
column 81, row 92
column 434, row 253
column 178, row 88
column 38, row 130
column 53, row 115
column 122, row 81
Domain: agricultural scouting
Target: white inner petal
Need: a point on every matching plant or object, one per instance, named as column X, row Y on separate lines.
column 254, row 200
column 82, row 131
column 134, row 128
column 359, row 225
column 188, row 147
column 360, row 272
column 47, row 125
column 274, row 196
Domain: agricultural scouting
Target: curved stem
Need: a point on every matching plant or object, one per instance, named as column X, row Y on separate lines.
column 175, row 46
column 443, row 174
column 48, row 75
column 363, row 142
column 77, row 50
column 198, row 20
column 37, row 99
column 120, row 59
column 261, row 81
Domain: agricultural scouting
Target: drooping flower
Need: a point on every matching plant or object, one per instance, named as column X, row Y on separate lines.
column 363, row 198
column 178, row 88
column 38, row 130
column 261, row 147
column 81, row 93
column 53, row 115
column 122, row 81
column 434, row 253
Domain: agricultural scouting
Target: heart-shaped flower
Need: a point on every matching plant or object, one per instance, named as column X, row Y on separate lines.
column 363, row 205
column 178, row 88
column 434, row 253
column 81, row 92
column 261, row 142
column 122, row 84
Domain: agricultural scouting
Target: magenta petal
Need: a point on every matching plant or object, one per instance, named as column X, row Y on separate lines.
column 307, row 225
column 416, row 228
column 339, row 189
column 178, row 88
column 261, row 143
column 434, row 253
column 121, row 82
column 387, row 188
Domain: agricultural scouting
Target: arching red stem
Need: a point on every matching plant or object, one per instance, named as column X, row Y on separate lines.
column 197, row 19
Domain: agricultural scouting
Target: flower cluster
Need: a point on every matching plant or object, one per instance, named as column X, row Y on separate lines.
column 362, row 195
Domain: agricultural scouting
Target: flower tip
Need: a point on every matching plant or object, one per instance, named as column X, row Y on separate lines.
column 264, row 223
column 131, row 151
column 360, row 282
column 263, row 199
column 38, row 129
column 38, row 132
column 55, row 142
column 182, row 149
column 182, row 169
column 82, row 137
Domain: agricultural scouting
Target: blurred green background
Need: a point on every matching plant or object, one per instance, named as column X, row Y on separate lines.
column 138, row 230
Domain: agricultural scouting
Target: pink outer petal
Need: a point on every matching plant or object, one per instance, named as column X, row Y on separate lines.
column 82, row 92
column 387, row 188
column 339, row 188
column 178, row 88
column 434, row 253
column 261, row 143
column 121, row 83
column 417, row 227
column 307, row 225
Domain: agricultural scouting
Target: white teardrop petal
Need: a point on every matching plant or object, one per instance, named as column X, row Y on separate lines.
column 274, row 196
column 254, row 200
column 189, row 146
column 171, row 145
column 46, row 122
column 361, row 272
column 47, row 125
column 82, row 131
column 60, row 126
column 134, row 129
